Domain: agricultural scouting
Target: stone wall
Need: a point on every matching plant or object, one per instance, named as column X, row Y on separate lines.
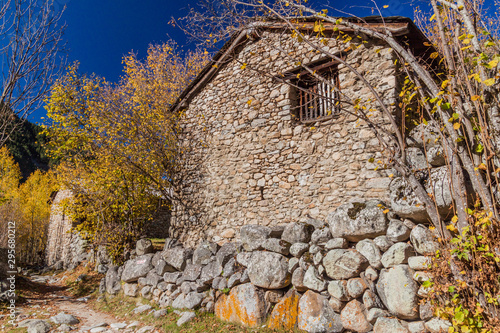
column 256, row 164
column 65, row 249
column 360, row 270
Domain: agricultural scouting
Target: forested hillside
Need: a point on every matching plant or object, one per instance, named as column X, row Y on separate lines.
column 26, row 145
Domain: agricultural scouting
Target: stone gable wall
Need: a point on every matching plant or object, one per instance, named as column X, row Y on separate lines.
column 257, row 165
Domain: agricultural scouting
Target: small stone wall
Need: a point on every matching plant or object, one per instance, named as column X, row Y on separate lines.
column 66, row 249
column 359, row 270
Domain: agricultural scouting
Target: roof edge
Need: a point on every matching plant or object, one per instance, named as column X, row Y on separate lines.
column 245, row 33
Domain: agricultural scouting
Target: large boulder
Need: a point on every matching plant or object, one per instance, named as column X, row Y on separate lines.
column 313, row 281
column 343, row 264
column 316, row 315
column 338, row 290
column 177, row 257
column 370, row 251
column 252, row 236
column 64, row 318
column 298, row 279
column 356, row 221
column 204, row 253
column 209, row 272
column 416, row 159
column 226, row 252
column 38, row 326
column 191, row 272
column 397, row 254
column 404, row 201
column 285, row 313
column 353, row 317
column 277, row 245
column 144, row 246
column 244, row 305
column 137, row 268
column 386, row 325
column 190, row 301
column 398, row 291
column 112, row 281
column 269, row 270
column 398, row 231
column 131, row 289
column 297, row 233
column 423, row 240
column 406, row 204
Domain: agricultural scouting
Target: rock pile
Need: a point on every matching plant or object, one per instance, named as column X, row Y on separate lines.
column 360, row 271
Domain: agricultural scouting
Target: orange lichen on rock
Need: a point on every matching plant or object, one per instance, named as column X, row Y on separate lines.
column 284, row 315
column 244, row 305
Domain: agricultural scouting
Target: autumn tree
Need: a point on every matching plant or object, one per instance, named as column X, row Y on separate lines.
column 117, row 143
column 31, row 52
column 452, row 92
column 9, row 182
column 27, row 205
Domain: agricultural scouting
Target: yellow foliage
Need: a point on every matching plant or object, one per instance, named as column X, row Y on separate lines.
column 27, row 205
column 117, row 143
column 9, row 175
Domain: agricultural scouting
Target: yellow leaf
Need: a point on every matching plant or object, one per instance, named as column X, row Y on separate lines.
column 454, row 219
column 243, row 66
column 386, row 6
column 489, row 82
column 249, row 102
column 475, row 97
column 456, row 126
column 451, row 227
column 482, row 166
column 434, row 55
column 493, row 63
column 386, row 211
column 432, row 17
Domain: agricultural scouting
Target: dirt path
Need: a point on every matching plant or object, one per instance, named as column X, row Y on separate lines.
column 45, row 297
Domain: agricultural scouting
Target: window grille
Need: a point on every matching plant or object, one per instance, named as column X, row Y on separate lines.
column 317, row 99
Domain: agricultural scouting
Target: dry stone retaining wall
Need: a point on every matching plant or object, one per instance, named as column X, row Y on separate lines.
column 359, row 270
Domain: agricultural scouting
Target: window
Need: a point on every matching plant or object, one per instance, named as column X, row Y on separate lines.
column 317, row 99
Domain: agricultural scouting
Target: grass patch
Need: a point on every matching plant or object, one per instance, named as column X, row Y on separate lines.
column 121, row 307
column 158, row 243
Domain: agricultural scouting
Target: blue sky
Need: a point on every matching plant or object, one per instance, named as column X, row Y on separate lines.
column 100, row 32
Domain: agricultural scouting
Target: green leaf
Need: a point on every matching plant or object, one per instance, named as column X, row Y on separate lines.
column 445, row 106
column 479, row 148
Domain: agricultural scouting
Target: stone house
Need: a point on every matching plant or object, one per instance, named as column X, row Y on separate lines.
column 263, row 151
